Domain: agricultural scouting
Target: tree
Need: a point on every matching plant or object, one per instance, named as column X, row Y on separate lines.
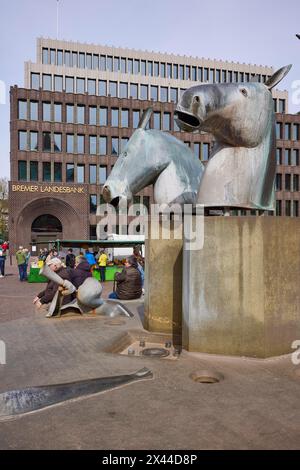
column 3, row 208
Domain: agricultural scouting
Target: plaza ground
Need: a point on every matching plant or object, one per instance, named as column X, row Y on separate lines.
column 256, row 406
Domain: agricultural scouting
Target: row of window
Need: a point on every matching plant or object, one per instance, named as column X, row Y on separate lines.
column 52, row 172
column 287, row 156
column 143, row 67
column 291, row 208
column 74, row 143
column 291, row 182
column 105, row 88
column 288, row 131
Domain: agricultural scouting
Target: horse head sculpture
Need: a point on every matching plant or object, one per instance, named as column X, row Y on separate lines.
column 241, row 169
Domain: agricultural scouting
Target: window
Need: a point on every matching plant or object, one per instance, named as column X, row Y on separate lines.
column 33, row 141
column 187, row 72
column 295, row 182
column 212, row 76
column 169, row 71
column 35, row 81
column 80, row 114
column 93, row 203
column 93, row 174
column 296, row 132
column 136, row 66
column 176, row 127
column 57, row 142
column 116, row 64
column 70, row 143
column 224, row 76
column 278, row 182
column 22, row 170
column 296, row 208
column 103, row 63
column 46, row 171
column 287, row 131
column 114, row 117
column 102, row 174
column 163, row 94
column 281, row 106
column 75, row 59
column 45, row 56
column 47, row 82
column 70, row 113
column 80, row 85
column 57, row 112
column 156, row 120
column 275, row 104
column 80, row 143
column 69, row 84
column 123, row 65
column 103, row 116
column 166, row 121
column 295, row 157
column 174, row 95
column 143, row 67
column 287, row 156
column 81, row 60
column 123, row 90
column 109, row 63
column 34, row 171
column 124, row 118
column 287, row 182
column 287, row 208
column 70, row 173
column 80, row 173
column 154, row 92
column 175, row 71
column 92, row 115
column 218, row 76
column 33, row 110
column 124, row 142
column 91, row 84
column 200, row 74
column 102, row 88
column 150, row 68
column 59, row 57
column 278, row 207
column 57, row 172
column 156, row 69
column 58, row 83
column 115, row 146
column 278, row 130
column 134, row 90
column 89, row 61
column 197, row 150
column 95, row 61
column 135, row 119
column 93, row 232
column 163, row 70
column 205, row 152
column 93, row 144
column 68, row 59
column 279, row 156
column 144, row 92
column 103, row 145
column 22, row 109
column 46, row 142
column 46, row 111
column 113, row 89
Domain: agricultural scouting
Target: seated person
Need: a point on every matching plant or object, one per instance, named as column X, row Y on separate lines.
column 46, row 296
column 129, row 282
column 81, row 272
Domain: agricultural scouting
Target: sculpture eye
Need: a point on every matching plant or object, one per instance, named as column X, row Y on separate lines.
column 196, row 99
column 244, row 92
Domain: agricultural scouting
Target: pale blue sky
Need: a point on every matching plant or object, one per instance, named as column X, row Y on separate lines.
column 252, row 31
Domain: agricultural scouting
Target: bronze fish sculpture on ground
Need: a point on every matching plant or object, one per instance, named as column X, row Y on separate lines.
column 28, row 400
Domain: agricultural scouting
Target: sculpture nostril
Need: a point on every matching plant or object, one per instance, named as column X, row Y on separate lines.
column 197, row 99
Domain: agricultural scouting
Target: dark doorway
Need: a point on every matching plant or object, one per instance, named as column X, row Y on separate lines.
column 46, row 227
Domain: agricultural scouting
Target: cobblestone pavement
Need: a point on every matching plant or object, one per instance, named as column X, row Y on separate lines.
column 256, row 406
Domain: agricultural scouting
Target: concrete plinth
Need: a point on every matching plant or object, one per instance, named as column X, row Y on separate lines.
column 241, row 292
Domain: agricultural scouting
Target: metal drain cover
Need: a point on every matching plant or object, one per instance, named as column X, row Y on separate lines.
column 206, row 376
column 155, row 352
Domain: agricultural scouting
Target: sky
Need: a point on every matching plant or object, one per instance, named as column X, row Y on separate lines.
column 258, row 32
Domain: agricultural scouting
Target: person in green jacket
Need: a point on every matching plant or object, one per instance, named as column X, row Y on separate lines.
column 21, row 261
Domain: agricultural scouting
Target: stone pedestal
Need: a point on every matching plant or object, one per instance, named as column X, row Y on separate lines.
column 241, row 292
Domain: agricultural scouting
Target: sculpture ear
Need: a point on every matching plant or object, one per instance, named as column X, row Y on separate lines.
column 278, row 76
column 145, row 118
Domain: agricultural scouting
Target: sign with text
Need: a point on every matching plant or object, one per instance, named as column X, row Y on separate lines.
column 31, row 188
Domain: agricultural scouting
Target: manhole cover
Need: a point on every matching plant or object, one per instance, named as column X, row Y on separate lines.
column 115, row 321
column 155, row 352
column 206, row 377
